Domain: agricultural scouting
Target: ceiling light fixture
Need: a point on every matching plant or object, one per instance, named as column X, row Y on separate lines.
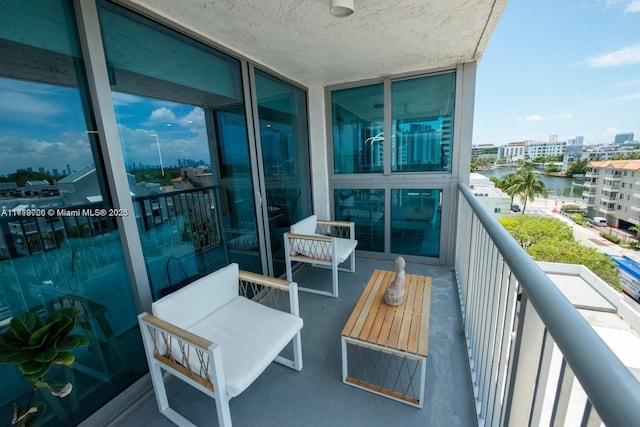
column 341, row 8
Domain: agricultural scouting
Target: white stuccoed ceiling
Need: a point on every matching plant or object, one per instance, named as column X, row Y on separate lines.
column 301, row 40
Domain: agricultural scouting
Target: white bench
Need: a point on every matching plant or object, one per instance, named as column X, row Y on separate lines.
column 217, row 340
column 321, row 243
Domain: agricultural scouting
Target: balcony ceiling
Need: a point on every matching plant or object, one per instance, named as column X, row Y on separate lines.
column 301, row 40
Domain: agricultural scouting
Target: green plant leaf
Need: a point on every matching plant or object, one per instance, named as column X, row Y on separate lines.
column 73, row 341
column 24, row 324
column 10, row 338
column 64, row 358
column 60, row 390
column 60, row 330
column 39, row 337
column 69, row 312
column 15, row 356
column 33, row 368
column 47, row 355
column 22, row 417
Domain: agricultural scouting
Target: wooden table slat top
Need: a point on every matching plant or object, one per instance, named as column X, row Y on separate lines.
column 404, row 327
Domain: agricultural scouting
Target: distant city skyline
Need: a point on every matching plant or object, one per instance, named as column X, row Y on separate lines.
column 560, row 68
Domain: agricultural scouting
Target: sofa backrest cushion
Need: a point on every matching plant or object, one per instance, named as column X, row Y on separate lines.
column 306, row 226
column 199, row 299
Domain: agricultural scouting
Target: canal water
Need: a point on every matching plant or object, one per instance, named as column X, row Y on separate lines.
column 555, row 185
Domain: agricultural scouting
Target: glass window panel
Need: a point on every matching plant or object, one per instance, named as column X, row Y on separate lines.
column 182, row 124
column 282, row 113
column 70, row 253
column 422, row 120
column 415, row 222
column 365, row 208
column 358, row 137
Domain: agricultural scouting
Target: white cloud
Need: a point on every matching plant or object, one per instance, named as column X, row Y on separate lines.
column 120, row 99
column 625, row 56
column 630, row 97
column 532, row 118
column 610, row 132
column 633, row 6
column 71, row 148
column 194, row 120
column 161, row 115
column 565, row 116
column 629, row 6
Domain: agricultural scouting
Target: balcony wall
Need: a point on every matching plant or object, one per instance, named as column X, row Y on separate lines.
column 516, row 321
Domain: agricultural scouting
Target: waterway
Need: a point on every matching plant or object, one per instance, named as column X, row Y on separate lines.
column 556, row 186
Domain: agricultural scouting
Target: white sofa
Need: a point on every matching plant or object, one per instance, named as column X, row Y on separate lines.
column 217, row 340
column 321, row 243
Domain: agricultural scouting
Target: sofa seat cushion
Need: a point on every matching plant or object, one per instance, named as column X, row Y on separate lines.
column 194, row 302
column 306, row 226
column 250, row 336
column 344, row 248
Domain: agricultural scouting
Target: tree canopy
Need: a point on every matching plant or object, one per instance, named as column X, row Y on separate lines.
column 525, row 184
column 578, row 167
column 529, row 230
column 551, row 240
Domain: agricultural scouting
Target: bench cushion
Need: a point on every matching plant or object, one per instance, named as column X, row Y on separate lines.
column 306, row 226
column 344, row 248
column 250, row 336
column 197, row 300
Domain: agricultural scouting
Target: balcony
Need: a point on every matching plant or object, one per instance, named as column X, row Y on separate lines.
column 609, row 198
column 496, row 322
column 607, row 209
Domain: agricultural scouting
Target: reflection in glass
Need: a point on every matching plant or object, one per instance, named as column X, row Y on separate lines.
column 180, row 114
column 365, row 208
column 358, row 136
column 58, row 248
column 415, row 222
column 282, row 112
column 422, row 120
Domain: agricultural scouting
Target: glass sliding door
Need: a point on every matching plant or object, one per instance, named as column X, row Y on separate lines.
column 59, row 242
column 365, row 208
column 415, row 222
column 400, row 132
column 181, row 116
column 283, row 131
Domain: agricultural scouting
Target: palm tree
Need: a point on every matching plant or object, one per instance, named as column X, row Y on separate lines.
column 505, row 185
column 526, row 185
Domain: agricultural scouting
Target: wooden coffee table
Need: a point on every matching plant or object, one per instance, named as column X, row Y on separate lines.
column 384, row 348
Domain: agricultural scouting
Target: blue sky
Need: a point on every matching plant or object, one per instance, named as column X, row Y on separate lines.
column 565, row 68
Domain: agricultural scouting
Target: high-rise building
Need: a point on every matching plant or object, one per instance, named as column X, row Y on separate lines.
column 621, row 138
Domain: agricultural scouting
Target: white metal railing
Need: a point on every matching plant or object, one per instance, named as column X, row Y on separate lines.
column 534, row 359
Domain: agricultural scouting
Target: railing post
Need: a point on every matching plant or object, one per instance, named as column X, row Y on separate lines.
column 523, row 371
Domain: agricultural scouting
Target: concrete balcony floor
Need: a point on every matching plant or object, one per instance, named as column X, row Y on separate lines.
column 316, row 396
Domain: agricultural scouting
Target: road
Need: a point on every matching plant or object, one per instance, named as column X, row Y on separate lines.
column 588, row 236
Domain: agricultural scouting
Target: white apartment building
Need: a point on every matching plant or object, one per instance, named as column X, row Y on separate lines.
column 535, row 149
column 512, row 151
column 531, row 149
column 492, row 198
column 612, row 190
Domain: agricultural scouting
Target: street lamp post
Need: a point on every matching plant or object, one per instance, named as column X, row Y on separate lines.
column 159, row 153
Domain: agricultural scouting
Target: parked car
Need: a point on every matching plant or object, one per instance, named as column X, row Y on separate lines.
column 515, row 208
column 598, row 221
